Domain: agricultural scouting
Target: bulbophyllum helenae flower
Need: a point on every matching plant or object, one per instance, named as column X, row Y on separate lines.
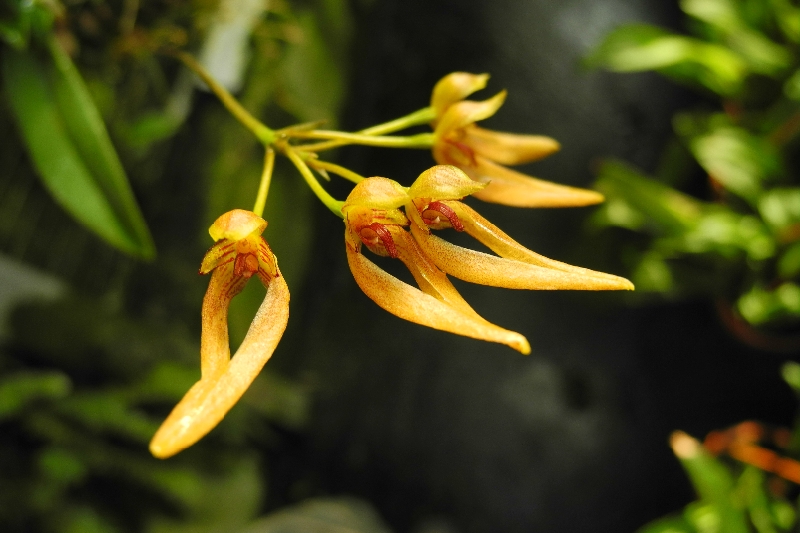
column 434, row 204
column 240, row 252
column 373, row 219
column 482, row 153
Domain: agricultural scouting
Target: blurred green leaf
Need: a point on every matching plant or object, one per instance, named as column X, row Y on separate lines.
column 635, row 198
column 717, row 510
column 108, row 412
column 61, row 465
column 307, row 66
column 653, row 274
column 760, row 305
column 787, row 16
column 70, row 148
column 762, row 54
column 780, row 207
column 641, row 47
column 20, row 389
column 737, row 159
column 789, row 262
column 791, row 374
column 322, row 515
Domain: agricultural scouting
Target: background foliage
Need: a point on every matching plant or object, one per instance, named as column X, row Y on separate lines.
column 102, row 345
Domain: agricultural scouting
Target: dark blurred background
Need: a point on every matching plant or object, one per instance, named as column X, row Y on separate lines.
column 441, row 434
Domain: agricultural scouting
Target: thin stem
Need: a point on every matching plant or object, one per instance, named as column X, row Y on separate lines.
column 330, row 202
column 421, row 140
column 259, row 129
column 266, row 178
column 346, row 173
column 421, row 116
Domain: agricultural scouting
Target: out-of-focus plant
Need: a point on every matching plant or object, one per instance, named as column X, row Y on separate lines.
column 745, row 478
column 741, row 244
column 63, row 130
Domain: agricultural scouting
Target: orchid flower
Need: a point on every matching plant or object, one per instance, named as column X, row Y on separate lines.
column 433, row 204
column 481, row 153
column 373, row 219
column 239, row 253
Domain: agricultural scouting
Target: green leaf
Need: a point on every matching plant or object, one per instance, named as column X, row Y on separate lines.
column 759, row 305
column 636, row 200
column 640, row 47
column 19, row 390
column 731, row 155
column 780, row 207
column 762, row 54
column 71, row 150
column 718, row 509
column 789, row 262
column 788, row 18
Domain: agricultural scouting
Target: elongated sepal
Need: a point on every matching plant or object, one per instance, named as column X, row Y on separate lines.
column 207, row 402
column 466, row 112
column 508, row 187
column 455, row 87
column 484, row 269
column 503, row 245
column 509, row 148
column 409, row 303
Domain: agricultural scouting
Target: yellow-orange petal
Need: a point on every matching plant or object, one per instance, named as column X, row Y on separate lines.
column 409, row 303
column 207, row 402
column 508, row 187
column 503, row 245
column 443, row 182
column 484, row 269
column 455, row 87
column 508, row 148
column 236, row 225
column 466, row 112
column 429, row 278
column 215, row 352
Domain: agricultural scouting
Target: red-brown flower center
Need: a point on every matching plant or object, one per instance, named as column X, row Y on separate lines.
column 433, row 213
column 379, row 239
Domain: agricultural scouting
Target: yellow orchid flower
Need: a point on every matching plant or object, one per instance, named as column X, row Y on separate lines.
column 481, row 153
column 239, row 253
column 373, row 219
column 433, row 204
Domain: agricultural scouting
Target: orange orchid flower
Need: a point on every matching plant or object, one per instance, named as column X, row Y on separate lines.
column 373, row 219
column 482, row 153
column 239, row 253
column 433, row 204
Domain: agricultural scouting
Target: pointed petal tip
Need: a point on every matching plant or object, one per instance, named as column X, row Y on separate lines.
column 522, row 346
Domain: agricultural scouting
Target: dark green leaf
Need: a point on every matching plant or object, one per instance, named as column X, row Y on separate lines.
column 18, row 390
column 89, row 135
column 83, row 175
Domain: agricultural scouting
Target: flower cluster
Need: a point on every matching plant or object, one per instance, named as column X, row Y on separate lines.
column 391, row 221
column 374, row 219
column 481, row 153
